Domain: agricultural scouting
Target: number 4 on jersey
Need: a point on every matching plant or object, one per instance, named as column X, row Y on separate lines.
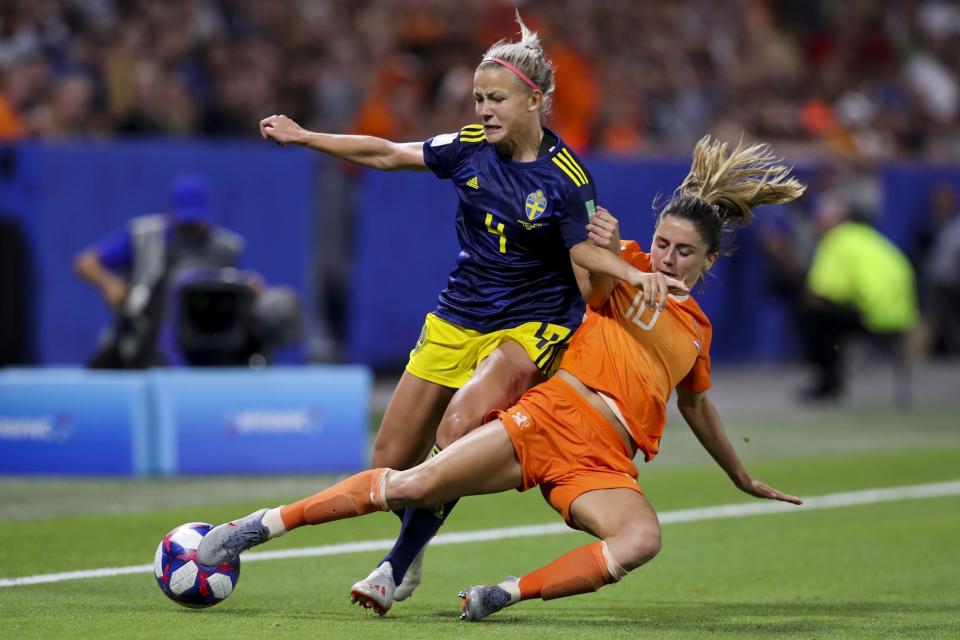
column 497, row 231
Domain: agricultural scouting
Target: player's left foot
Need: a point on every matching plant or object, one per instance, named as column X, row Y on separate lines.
column 411, row 579
column 227, row 541
column 376, row 590
column 481, row 600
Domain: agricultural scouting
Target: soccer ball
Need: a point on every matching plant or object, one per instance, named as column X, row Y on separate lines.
column 182, row 578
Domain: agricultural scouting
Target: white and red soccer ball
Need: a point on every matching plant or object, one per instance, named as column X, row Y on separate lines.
column 181, row 576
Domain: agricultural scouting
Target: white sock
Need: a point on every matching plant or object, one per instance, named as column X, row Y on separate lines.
column 513, row 588
column 274, row 523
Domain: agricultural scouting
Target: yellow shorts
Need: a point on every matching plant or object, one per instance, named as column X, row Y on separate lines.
column 448, row 354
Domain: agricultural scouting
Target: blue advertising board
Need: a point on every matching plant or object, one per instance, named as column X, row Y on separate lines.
column 73, row 422
column 276, row 420
column 70, row 195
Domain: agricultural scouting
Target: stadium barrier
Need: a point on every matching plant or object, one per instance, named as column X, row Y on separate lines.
column 68, row 195
column 192, row 422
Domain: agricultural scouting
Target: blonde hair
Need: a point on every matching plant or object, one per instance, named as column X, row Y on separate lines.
column 721, row 189
column 528, row 56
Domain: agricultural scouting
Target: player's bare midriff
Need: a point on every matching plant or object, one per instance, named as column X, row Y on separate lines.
column 598, row 403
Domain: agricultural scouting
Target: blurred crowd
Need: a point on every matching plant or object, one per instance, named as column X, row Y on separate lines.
column 864, row 78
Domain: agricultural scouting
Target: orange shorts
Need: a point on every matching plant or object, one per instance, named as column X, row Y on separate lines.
column 566, row 446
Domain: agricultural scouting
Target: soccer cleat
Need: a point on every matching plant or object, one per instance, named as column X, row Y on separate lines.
column 228, row 540
column 376, row 590
column 482, row 600
column 411, row 580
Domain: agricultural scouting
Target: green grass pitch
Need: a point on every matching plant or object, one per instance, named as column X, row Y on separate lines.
column 889, row 570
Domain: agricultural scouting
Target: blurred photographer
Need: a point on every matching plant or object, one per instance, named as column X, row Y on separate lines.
column 133, row 267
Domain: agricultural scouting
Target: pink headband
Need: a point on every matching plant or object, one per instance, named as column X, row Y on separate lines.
column 519, row 73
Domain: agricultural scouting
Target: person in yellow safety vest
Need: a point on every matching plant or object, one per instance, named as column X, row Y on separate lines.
column 858, row 282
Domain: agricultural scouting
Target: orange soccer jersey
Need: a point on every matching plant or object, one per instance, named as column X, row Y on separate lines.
column 636, row 356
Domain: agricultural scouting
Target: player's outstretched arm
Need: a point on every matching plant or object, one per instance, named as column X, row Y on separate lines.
column 703, row 419
column 368, row 151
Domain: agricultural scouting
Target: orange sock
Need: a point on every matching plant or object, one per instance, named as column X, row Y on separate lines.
column 580, row 571
column 356, row 496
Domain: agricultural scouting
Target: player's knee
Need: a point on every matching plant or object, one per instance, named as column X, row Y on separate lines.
column 402, row 489
column 638, row 547
column 415, row 487
column 392, row 454
column 384, row 456
column 455, row 425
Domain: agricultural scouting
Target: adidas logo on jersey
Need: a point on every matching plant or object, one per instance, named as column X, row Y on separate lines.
column 473, row 183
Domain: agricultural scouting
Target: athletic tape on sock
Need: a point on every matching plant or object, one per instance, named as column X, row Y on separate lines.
column 274, row 522
column 613, row 567
column 381, row 499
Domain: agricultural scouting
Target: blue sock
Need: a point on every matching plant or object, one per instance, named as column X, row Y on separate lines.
column 419, row 525
column 416, row 529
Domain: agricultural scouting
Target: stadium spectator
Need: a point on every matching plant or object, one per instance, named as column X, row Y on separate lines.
column 512, row 301
column 133, row 267
column 16, row 325
column 786, row 250
column 874, row 79
column 942, row 275
column 576, row 435
column 858, row 283
column 942, row 207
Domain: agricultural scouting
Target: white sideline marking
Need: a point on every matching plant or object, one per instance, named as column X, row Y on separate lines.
column 830, row 501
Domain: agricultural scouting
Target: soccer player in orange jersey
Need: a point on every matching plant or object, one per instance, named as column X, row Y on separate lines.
column 576, row 435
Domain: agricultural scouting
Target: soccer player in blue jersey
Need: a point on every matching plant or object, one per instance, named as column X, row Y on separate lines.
column 515, row 296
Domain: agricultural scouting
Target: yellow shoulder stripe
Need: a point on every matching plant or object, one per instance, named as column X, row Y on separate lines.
column 570, row 174
column 565, row 153
column 472, row 133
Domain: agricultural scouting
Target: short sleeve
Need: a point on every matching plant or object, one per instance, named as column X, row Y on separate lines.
column 577, row 210
column 116, row 250
column 442, row 153
column 698, row 380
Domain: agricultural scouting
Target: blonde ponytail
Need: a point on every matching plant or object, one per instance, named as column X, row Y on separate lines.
column 721, row 189
column 738, row 182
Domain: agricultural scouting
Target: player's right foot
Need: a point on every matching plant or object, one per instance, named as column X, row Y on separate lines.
column 228, row 540
column 482, row 600
column 376, row 590
column 411, row 579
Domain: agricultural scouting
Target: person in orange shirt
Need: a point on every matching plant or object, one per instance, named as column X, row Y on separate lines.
column 575, row 435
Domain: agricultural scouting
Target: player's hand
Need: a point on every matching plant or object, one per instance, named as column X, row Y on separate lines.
column 604, row 230
column 656, row 286
column 280, row 129
column 756, row 488
column 114, row 291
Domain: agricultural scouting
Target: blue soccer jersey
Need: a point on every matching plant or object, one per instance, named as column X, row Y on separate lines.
column 516, row 222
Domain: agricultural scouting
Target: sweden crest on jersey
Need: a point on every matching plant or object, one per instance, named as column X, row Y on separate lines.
column 536, row 204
